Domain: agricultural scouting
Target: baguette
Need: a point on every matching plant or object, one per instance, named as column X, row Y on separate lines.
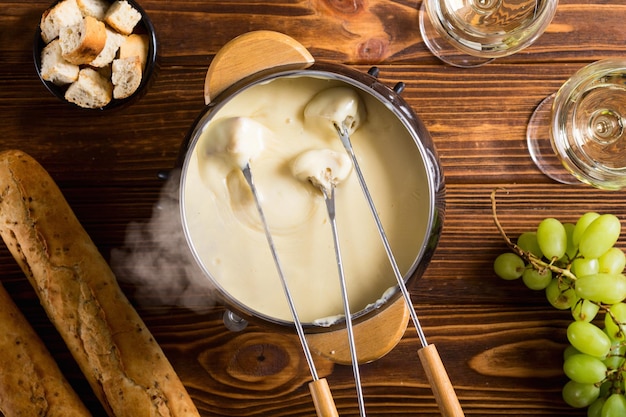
column 64, row 13
column 95, row 8
column 126, row 76
column 31, row 383
column 56, row 69
column 135, row 45
column 82, row 43
column 122, row 17
column 91, row 90
column 111, row 46
column 122, row 362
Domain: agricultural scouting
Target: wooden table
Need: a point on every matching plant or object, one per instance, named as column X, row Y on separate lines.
column 501, row 343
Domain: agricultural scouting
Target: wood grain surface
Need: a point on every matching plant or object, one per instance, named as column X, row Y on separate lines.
column 501, row 343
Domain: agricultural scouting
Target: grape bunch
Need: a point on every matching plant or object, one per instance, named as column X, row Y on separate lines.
column 580, row 269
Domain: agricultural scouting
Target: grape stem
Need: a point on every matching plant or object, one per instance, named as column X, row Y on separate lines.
column 537, row 263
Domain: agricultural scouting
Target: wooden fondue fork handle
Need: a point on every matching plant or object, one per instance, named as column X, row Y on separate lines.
column 440, row 382
column 323, row 399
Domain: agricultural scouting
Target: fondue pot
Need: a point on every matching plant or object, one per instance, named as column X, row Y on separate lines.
column 266, row 66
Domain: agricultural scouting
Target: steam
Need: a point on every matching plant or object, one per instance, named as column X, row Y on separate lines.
column 157, row 261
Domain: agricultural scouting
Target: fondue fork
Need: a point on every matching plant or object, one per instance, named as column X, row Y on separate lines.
column 329, row 199
column 320, row 391
column 436, row 373
column 324, row 169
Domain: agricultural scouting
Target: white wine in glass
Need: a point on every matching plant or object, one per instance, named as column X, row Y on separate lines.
column 470, row 33
column 578, row 134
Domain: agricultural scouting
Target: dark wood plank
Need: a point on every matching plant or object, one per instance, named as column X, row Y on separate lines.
column 501, row 343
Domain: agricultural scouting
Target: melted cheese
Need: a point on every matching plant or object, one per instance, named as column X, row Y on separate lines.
column 223, row 225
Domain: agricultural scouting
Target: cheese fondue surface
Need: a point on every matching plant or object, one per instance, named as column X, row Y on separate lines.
column 224, row 228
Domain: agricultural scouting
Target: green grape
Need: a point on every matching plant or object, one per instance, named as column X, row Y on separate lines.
column 552, row 238
column 614, row 406
column 584, row 369
column 583, row 266
column 585, row 310
column 569, row 351
column 581, row 225
column 615, row 359
column 559, row 295
column 588, row 338
column 614, row 330
column 580, row 395
column 571, row 250
column 599, row 236
column 509, row 266
column 595, row 360
column 612, row 262
column 537, row 280
column 602, row 288
column 527, row 241
column 595, row 409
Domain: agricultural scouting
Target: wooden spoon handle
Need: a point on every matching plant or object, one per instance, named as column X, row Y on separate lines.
column 323, row 399
column 440, row 382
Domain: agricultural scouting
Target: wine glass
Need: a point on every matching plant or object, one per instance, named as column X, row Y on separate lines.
column 470, row 33
column 578, row 133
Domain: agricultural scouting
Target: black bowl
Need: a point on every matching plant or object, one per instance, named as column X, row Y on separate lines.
column 144, row 27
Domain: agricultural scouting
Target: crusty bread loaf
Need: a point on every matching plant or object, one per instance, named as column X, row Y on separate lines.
column 94, row 8
column 91, row 90
column 113, row 42
column 126, row 76
column 82, row 42
column 117, row 353
column 135, row 45
column 64, row 13
column 31, row 383
column 56, row 69
column 122, row 17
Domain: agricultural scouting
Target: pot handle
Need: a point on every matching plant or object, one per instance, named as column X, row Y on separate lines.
column 323, row 399
column 250, row 53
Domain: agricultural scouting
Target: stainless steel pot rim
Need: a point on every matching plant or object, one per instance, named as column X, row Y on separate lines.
column 395, row 104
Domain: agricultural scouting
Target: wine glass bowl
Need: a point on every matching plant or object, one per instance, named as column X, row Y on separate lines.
column 578, row 134
column 469, row 33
